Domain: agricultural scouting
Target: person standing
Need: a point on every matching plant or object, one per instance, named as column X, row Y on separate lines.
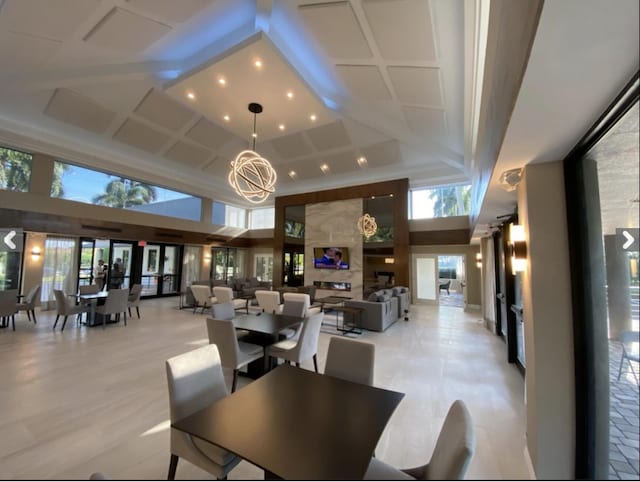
column 100, row 273
column 116, row 277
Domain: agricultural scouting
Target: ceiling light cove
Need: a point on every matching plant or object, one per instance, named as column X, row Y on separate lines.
column 246, row 83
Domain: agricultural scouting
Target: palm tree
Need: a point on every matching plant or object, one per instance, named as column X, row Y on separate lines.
column 451, row 201
column 124, row 193
column 15, row 170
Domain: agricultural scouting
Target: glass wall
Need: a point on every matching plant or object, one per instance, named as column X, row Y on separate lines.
column 76, row 183
column 264, row 267
column 191, row 264
column 15, row 170
column 439, row 202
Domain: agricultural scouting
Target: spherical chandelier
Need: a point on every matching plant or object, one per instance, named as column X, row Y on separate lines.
column 367, row 225
column 251, row 175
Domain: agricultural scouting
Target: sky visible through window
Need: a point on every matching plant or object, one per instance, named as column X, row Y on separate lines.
column 84, row 184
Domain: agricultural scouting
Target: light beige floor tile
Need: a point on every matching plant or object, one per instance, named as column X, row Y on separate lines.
column 91, row 400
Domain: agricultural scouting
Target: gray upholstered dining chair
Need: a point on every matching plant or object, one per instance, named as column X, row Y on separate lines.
column 195, row 381
column 305, row 347
column 233, row 353
column 65, row 309
column 350, row 360
column 29, row 303
column 133, row 301
column 8, row 307
column 202, row 297
column 89, row 289
column 451, row 456
column 223, row 311
column 115, row 304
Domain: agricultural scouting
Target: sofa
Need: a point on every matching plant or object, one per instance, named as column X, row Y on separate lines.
column 380, row 310
column 402, row 293
column 309, row 290
column 248, row 286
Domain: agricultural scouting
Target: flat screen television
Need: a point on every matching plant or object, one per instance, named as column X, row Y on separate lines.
column 331, row 258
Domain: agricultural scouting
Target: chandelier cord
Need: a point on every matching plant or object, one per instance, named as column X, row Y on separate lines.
column 255, row 116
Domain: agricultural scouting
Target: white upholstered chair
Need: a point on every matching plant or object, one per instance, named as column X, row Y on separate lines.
column 195, row 381
column 305, row 347
column 305, row 298
column 65, row 308
column 202, row 296
column 115, row 304
column 269, row 301
column 233, row 353
column 350, row 360
column 29, row 303
column 224, row 294
column 296, row 304
column 451, row 456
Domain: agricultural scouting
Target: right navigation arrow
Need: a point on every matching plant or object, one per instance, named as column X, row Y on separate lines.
column 629, row 241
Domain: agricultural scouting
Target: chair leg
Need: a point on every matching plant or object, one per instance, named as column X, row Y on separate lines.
column 64, row 322
column 54, row 325
column 13, row 322
column 173, row 465
column 28, row 315
column 315, row 362
column 621, row 362
column 33, row 315
column 138, row 311
column 298, row 364
column 125, row 318
column 235, row 380
column 129, row 309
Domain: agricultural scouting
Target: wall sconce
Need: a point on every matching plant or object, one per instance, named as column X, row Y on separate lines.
column 518, row 248
column 207, row 258
column 389, row 260
column 35, row 253
column 479, row 260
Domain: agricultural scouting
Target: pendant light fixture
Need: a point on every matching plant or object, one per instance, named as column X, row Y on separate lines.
column 251, row 175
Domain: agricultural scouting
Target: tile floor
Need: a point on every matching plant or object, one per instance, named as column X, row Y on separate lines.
column 91, row 400
column 624, row 435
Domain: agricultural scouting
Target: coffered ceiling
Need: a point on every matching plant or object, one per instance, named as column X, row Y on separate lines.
column 370, row 89
column 379, row 89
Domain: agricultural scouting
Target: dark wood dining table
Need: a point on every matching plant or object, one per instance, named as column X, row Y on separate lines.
column 297, row 424
column 92, row 300
column 264, row 329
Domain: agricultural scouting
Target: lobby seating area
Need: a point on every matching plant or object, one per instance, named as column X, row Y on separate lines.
column 131, row 440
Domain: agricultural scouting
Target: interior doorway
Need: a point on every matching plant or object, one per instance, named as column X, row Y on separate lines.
column 452, row 281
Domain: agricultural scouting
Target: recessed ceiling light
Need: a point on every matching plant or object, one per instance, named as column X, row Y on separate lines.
column 222, row 81
column 191, row 95
column 313, row 117
column 324, row 168
column 281, row 127
column 390, row 195
column 257, row 63
column 293, row 174
column 362, row 161
column 226, row 118
column 289, row 95
column 373, row 197
column 254, row 135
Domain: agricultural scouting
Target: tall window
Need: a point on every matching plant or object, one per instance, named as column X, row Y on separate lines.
column 15, row 170
column 191, row 264
column 227, row 215
column 59, row 270
column 262, row 218
column 264, row 267
column 93, row 187
column 440, row 202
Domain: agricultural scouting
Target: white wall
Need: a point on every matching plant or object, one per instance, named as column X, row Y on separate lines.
column 548, row 322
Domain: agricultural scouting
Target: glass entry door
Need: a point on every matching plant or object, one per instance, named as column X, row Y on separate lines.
column 91, row 252
column 161, row 269
column 123, row 257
